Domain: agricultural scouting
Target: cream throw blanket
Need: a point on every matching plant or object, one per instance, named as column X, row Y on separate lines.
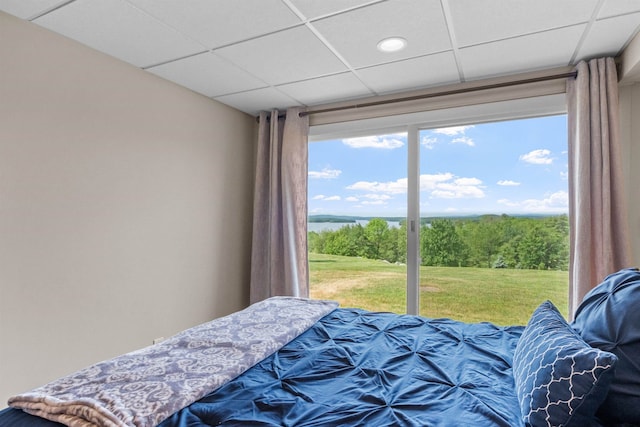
column 144, row 387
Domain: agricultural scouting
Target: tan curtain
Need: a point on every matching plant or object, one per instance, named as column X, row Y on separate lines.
column 279, row 262
column 597, row 208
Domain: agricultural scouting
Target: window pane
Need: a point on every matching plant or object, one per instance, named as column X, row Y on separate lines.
column 494, row 226
column 494, row 234
column 357, row 233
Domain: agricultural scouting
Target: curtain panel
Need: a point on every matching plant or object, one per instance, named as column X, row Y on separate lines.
column 597, row 208
column 279, row 261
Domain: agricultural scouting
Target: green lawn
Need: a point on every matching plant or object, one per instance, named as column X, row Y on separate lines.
column 501, row 296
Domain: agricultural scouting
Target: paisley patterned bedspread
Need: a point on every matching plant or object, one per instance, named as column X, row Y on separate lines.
column 357, row 368
column 144, row 387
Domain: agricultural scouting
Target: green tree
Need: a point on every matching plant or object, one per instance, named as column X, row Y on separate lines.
column 509, row 252
column 315, row 242
column 441, row 245
column 400, row 242
column 484, row 240
column 376, row 233
column 534, row 248
column 349, row 241
column 559, row 242
column 488, row 241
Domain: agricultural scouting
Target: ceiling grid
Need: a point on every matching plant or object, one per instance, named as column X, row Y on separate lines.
column 264, row 54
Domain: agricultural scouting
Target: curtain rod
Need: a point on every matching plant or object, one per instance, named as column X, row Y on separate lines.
column 558, row 76
column 443, row 93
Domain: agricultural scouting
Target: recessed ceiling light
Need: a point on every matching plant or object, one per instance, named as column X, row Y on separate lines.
column 392, row 44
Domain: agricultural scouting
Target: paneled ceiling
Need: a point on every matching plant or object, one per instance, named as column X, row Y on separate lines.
column 262, row 54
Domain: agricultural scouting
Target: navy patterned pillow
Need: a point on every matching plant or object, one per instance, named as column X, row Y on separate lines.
column 560, row 379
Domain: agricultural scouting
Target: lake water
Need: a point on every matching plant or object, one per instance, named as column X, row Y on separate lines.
column 332, row 226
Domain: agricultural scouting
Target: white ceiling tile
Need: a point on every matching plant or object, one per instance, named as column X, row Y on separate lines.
column 27, row 9
column 607, row 36
column 413, row 73
column 119, row 29
column 217, row 23
column 326, row 89
column 536, row 51
column 261, row 54
column 356, row 34
column 208, row 74
column 618, row 7
column 313, row 8
column 254, row 101
column 481, row 21
column 284, row 57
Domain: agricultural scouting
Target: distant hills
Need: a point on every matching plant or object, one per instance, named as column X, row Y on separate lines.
column 424, row 219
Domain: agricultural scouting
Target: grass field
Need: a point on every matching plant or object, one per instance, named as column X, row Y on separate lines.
column 500, row 296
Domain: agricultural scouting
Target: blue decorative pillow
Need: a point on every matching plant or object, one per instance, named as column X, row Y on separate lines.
column 560, row 379
column 609, row 319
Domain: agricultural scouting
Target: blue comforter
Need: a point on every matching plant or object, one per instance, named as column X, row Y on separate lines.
column 355, row 367
column 374, row 369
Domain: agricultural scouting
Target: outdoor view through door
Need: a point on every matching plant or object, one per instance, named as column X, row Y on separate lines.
column 494, row 231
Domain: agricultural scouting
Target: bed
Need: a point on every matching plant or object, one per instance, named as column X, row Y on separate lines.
column 299, row 362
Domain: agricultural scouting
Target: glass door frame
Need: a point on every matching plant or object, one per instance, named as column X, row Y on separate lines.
column 413, row 220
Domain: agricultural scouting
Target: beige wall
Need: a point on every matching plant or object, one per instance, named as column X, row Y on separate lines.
column 125, row 207
column 630, row 135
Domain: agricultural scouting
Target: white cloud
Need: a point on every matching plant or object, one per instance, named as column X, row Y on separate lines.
column 557, row 202
column 352, row 199
column 325, row 173
column 443, row 185
column 387, row 142
column 392, row 187
column 467, row 181
column 456, row 133
column 452, row 131
column 508, row 183
column 430, row 182
column 459, row 188
column 457, row 191
column 429, row 142
column 538, row 157
column 463, row 140
column 326, row 198
column 374, row 202
column 377, row 196
column 447, row 186
column 443, row 194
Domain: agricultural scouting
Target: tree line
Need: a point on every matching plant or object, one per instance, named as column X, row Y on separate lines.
column 493, row 241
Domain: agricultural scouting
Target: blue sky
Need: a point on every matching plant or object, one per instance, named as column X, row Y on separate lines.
column 511, row 167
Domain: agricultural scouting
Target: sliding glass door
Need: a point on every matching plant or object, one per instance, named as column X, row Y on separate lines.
column 494, row 224
column 467, row 222
column 357, row 197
